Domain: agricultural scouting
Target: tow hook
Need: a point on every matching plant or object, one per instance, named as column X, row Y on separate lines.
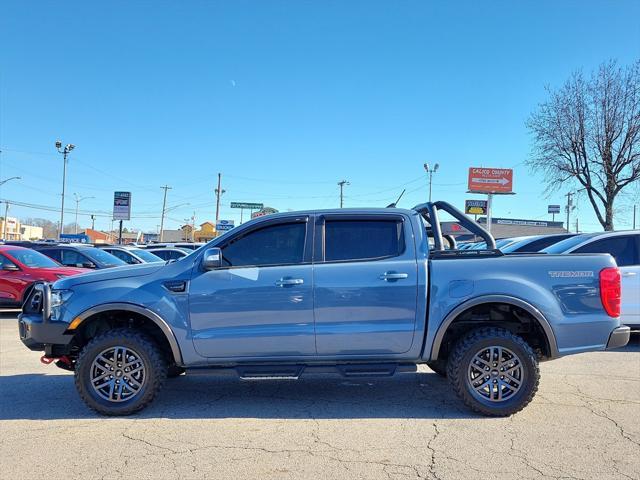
column 46, row 360
column 62, row 362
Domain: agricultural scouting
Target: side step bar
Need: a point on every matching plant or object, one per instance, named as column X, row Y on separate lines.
column 294, row 371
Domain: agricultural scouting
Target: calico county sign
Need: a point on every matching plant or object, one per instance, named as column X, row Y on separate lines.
column 490, row 180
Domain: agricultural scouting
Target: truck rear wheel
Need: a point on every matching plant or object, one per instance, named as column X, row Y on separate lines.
column 493, row 371
column 120, row 372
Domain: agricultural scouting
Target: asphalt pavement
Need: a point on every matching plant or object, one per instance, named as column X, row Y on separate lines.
column 584, row 423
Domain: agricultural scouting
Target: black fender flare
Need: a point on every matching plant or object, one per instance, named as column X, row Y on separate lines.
column 517, row 302
column 154, row 317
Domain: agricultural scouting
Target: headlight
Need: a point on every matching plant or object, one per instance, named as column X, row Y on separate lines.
column 58, row 298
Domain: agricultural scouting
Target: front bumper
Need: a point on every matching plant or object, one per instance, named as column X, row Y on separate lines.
column 35, row 334
column 619, row 337
column 35, row 325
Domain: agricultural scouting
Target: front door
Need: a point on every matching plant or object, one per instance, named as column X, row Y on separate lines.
column 366, row 285
column 260, row 303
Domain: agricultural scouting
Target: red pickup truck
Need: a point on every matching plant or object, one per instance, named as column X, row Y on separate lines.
column 21, row 267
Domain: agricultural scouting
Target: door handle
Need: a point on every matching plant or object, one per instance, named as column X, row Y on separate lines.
column 628, row 274
column 391, row 276
column 289, row 282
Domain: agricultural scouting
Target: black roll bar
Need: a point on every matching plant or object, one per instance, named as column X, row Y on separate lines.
column 429, row 211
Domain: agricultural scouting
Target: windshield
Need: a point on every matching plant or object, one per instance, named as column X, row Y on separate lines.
column 567, row 244
column 146, row 256
column 102, row 257
column 32, row 259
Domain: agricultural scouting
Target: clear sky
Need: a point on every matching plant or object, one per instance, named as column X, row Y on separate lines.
column 286, row 98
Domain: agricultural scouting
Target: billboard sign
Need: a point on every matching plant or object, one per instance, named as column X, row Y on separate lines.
column 453, row 228
column 475, row 207
column 490, row 180
column 553, row 209
column 248, row 205
column 122, row 206
column 224, row 225
column 264, row 211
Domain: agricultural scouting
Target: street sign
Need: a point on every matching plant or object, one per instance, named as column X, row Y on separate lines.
column 553, row 209
column 490, row 180
column 122, row 206
column 224, row 225
column 250, row 206
column 475, row 207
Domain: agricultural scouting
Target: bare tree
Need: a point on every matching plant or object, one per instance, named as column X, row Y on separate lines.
column 588, row 132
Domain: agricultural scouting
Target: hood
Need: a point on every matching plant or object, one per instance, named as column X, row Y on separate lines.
column 114, row 273
column 66, row 271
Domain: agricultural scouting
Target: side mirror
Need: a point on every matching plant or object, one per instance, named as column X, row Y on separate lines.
column 88, row 265
column 212, row 258
column 10, row 267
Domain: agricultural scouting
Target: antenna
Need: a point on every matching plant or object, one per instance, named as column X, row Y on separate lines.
column 393, row 205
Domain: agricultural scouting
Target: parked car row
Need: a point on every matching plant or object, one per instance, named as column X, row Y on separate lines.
column 623, row 246
column 22, row 264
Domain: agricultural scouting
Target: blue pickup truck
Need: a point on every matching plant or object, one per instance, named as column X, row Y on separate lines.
column 367, row 292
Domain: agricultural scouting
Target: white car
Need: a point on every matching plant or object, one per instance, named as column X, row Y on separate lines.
column 624, row 246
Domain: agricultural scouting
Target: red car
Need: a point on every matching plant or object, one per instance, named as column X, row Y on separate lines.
column 21, row 267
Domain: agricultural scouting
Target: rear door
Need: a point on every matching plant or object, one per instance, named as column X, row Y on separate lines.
column 626, row 250
column 365, row 284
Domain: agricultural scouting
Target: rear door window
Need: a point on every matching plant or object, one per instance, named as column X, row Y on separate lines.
column 353, row 240
column 54, row 253
column 71, row 258
column 623, row 248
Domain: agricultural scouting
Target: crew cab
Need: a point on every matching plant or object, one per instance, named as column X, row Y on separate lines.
column 366, row 292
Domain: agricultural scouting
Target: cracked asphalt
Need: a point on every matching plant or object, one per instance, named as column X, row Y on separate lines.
column 584, row 423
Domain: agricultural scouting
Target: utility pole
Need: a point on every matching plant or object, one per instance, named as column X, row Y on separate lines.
column 342, row 183
column 64, row 151
column 634, row 217
column 219, row 191
column 164, row 206
column 569, row 206
column 6, row 207
column 6, row 212
column 93, row 222
column 431, row 171
column 577, row 226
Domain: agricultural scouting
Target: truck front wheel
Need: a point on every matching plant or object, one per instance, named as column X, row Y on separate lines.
column 493, row 371
column 120, row 372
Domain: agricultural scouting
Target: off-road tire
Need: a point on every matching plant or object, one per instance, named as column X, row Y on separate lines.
column 464, row 352
column 154, row 363
column 438, row 366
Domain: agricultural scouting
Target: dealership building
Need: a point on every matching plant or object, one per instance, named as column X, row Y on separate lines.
column 508, row 227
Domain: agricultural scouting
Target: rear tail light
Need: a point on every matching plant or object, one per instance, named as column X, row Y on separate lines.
column 610, row 291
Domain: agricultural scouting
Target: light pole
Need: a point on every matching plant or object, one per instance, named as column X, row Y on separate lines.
column 2, row 182
column 342, row 183
column 64, row 151
column 431, row 171
column 6, row 207
column 78, row 200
